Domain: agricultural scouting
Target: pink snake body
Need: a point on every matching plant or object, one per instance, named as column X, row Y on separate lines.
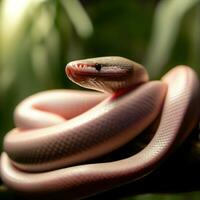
column 59, row 131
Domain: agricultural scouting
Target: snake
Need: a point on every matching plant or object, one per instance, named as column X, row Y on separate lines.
column 60, row 134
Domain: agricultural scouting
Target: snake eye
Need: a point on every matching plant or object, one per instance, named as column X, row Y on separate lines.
column 98, row 67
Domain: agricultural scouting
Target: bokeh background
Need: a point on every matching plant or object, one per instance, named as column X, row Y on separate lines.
column 38, row 38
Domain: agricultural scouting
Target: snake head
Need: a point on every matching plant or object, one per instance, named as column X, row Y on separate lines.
column 109, row 74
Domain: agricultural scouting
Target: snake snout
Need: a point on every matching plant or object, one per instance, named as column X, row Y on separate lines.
column 70, row 71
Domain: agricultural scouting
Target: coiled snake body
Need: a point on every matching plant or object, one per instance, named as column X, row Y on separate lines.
column 58, row 131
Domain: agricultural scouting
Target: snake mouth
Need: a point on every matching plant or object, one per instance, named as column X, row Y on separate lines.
column 96, row 74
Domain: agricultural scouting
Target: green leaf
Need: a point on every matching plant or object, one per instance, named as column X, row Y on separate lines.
column 167, row 21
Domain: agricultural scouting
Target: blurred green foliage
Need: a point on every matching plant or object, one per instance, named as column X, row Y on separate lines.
column 38, row 38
